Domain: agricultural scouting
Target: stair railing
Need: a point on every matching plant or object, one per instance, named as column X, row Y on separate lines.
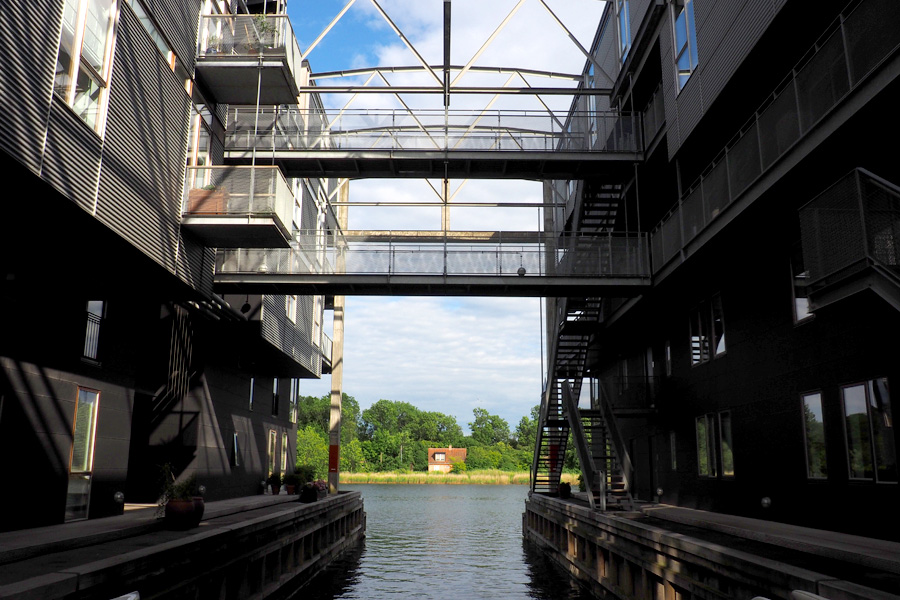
column 614, row 435
column 589, row 473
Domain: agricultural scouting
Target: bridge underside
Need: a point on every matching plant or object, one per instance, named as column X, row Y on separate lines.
column 484, row 164
column 430, row 285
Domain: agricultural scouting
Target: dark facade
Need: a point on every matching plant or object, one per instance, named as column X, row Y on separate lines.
column 117, row 356
column 755, row 376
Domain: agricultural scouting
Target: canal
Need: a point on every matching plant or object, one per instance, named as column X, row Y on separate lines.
column 443, row 541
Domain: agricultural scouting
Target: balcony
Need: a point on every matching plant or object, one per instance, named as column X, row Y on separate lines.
column 803, row 105
column 238, row 207
column 851, row 240
column 240, row 56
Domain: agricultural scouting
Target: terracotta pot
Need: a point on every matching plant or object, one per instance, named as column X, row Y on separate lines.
column 275, row 488
column 180, row 514
column 199, row 506
column 291, row 490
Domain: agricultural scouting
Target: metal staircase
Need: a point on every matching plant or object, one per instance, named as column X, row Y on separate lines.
column 605, row 464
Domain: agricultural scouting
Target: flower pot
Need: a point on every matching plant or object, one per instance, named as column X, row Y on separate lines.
column 180, row 514
column 276, row 489
column 199, row 507
column 291, row 490
column 207, row 202
column 308, row 494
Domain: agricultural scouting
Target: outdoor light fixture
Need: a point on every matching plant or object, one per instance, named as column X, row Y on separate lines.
column 245, row 308
column 521, row 271
column 766, row 502
column 119, row 497
column 659, row 491
column 202, row 490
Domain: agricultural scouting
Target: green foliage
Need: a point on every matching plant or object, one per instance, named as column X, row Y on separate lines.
column 458, row 467
column 488, row 429
column 526, row 430
column 274, row 478
column 305, row 473
column 312, row 450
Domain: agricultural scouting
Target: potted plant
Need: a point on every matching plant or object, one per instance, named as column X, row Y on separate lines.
column 309, row 493
column 263, row 35
column 213, row 43
column 321, row 488
column 292, row 483
column 274, row 482
column 180, row 503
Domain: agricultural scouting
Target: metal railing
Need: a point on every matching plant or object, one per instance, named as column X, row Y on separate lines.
column 426, row 130
column 224, row 37
column 654, row 115
column 852, row 224
column 848, row 51
column 238, row 191
column 585, row 255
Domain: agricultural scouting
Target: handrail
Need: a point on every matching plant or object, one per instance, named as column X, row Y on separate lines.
column 615, row 436
column 587, row 463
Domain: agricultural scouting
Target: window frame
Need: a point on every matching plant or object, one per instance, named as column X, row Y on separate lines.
column 714, row 430
column 275, row 398
column 685, row 7
column 806, row 449
column 440, row 457
column 94, row 318
column 252, row 391
column 68, row 92
column 868, row 392
column 797, row 262
column 623, row 14
column 290, row 308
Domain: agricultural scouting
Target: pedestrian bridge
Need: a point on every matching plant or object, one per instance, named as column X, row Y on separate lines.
column 434, row 143
column 490, row 263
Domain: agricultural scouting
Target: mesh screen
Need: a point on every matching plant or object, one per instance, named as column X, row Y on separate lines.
column 743, row 161
column 822, row 82
column 831, row 230
column 872, row 32
column 779, row 126
column 692, row 214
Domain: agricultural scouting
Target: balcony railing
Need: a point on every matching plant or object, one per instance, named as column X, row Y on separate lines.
column 427, row 130
column 633, row 393
column 222, row 193
column 587, row 255
column 226, row 37
column 654, row 115
column 853, row 224
column 855, row 44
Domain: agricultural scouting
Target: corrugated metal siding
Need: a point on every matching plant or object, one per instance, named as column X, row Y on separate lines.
column 142, row 173
column 178, row 20
column 195, row 264
column 292, row 339
column 638, row 10
column 29, row 35
column 72, row 156
column 607, row 53
column 726, row 32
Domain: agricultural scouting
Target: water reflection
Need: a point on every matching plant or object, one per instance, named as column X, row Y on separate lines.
column 440, row 541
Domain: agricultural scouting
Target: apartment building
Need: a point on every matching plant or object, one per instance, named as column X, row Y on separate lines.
column 754, row 375
column 117, row 356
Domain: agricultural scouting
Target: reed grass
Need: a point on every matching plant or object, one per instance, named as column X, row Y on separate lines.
column 478, row 476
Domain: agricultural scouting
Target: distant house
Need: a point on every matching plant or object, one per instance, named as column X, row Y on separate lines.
column 442, row 459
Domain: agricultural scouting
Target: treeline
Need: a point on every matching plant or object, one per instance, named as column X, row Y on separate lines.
column 395, row 436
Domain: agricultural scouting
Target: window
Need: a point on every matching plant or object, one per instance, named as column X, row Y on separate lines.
column 685, row 41
column 200, row 140
column 235, row 451
column 81, row 460
column 624, row 28
column 869, row 428
column 293, row 400
column 270, row 451
column 290, row 308
column 275, row 397
column 800, row 278
column 95, row 310
column 440, row 456
column 252, row 391
column 706, row 453
column 715, row 455
column 668, row 358
column 814, row 434
column 672, row 450
column 707, row 327
column 284, row 452
column 153, row 31
column 84, row 58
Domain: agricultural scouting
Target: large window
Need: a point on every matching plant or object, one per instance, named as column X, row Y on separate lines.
column 81, row 460
column 84, row 59
column 624, row 27
column 95, row 310
column 275, row 399
column 270, row 451
column 800, row 278
column 869, row 427
column 814, row 434
column 685, row 41
column 252, row 391
column 707, row 326
column 290, row 308
column 294, row 399
column 715, row 455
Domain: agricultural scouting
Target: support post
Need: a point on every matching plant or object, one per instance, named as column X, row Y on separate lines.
column 337, row 363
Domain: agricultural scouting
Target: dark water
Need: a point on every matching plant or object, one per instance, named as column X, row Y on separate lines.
column 443, row 541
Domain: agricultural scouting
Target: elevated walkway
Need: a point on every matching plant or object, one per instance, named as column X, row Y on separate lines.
column 455, row 263
column 432, row 144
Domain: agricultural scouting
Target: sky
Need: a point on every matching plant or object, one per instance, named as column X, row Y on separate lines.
column 450, row 355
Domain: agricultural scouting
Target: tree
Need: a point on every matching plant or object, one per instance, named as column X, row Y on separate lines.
column 488, row 429
column 312, row 449
column 526, row 431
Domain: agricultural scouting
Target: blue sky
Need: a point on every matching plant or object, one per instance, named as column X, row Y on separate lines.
column 444, row 354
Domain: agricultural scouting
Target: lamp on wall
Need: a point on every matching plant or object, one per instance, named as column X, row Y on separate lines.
column 245, row 308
